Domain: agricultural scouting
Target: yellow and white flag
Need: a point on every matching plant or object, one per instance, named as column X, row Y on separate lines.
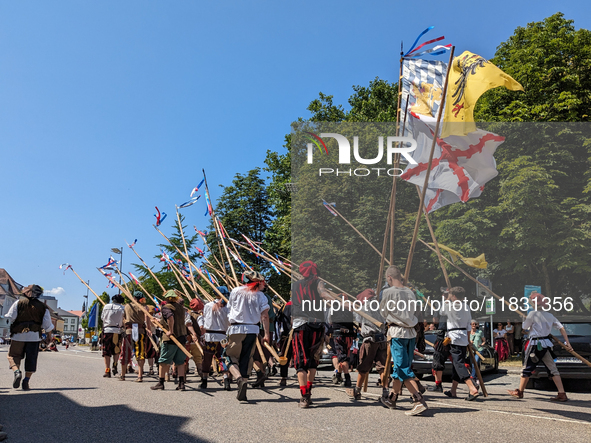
column 478, row 262
column 470, row 77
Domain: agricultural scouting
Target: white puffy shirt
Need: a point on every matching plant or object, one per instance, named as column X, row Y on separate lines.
column 245, row 307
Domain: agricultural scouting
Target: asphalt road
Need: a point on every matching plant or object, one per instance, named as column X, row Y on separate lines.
column 70, row 401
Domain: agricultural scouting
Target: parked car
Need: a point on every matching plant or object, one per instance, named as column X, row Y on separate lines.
column 422, row 366
column 578, row 329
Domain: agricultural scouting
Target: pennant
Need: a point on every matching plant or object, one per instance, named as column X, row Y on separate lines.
column 111, row 262
column 209, row 208
column 221, row 229
column 159, row 219
column 330, row 208
column 200, row 251
column 417, row 40
column 190, row 202
column 204, row 234
column 478, row 262
column 470, row 77
column 133, row 277
column 196, row 189
column 274, row 267
column 66, row 266
column 133, row 244
column 252, row 245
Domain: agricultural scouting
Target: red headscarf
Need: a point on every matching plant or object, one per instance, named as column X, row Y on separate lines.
column 368, row 293
column 196, row 304
column 308, row 269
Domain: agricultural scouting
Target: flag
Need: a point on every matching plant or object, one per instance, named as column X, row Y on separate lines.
column 330, row 208
column 133, row 244
column 190, row 202
column 111, row 262
column 478, row 262
column 470, row 77
column 133, row 277
column 461, row 165
column 160, row 217
column 422, row 86
column 93, row 316
column 196, row 189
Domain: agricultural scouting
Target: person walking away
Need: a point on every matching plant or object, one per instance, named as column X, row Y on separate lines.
column 399, row 313
column 248, row 307
column 192, row 323
column 538, row 348
column 308, row 323
column 173, row 319
column 214, row 325
column 112, row 317
column 458, row 322
column 374, row 348
column 29, row 318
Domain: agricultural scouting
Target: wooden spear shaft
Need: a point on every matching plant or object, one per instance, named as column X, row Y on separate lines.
column 439, row 255
column 156, row 322
column 178, row 218
column 148, row 268
column 194, row 266
column 573, row 353
column 360, row 234
column 428, row 171
column 85, row 284
column 473, row 279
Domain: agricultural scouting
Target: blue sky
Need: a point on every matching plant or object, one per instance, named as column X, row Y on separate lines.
column 110, row 108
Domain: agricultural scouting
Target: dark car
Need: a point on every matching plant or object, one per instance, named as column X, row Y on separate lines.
column 422, row 366
column 578, row 330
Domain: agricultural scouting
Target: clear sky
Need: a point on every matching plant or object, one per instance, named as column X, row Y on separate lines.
column 109, row 108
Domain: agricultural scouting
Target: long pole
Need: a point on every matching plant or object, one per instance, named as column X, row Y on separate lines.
column 498, row 297
column 178, row 218
column 428, row 171
column 194, row 266
column 217, row 229
column 148, row 268
column 155, row 321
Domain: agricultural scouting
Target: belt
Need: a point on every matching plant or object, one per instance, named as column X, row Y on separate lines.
column 548, row 337
column 208, row 331
column 456, row 329
column 244, row 324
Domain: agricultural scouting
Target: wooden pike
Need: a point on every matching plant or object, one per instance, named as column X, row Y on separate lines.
column 155, row 321
column 148, row 268
column 439, row 255
column 85, row 284
column 194, row 266
column 178, row 218
column 573, row 353
column 427, row 172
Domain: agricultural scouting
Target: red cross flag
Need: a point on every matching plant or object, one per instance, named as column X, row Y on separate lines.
column 461, row 165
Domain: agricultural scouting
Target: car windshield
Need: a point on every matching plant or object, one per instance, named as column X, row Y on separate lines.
column 574, row 329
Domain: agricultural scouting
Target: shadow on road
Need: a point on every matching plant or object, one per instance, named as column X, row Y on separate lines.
column 53, row 417
column 573, row 415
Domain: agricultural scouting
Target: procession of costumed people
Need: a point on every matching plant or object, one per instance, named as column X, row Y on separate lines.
column 238, row 323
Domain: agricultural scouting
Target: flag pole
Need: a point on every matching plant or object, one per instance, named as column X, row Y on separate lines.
column 437, row 250
column 390, row 223
column 428, row 171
